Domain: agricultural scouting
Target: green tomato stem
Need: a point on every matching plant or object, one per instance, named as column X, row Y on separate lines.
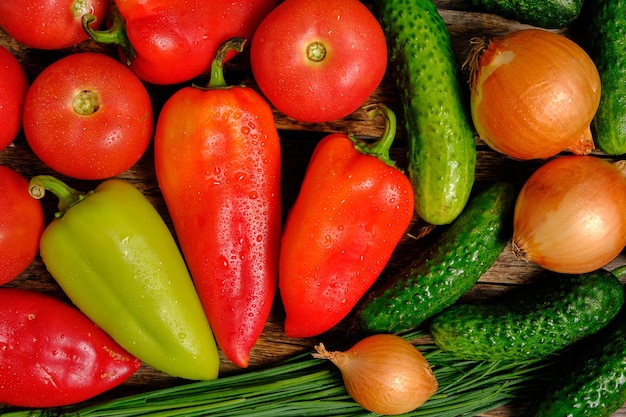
column 380, row 148
column 316, row 51
column 80, row 7
column 67, row 195
column 115, row 35
column 86, row 102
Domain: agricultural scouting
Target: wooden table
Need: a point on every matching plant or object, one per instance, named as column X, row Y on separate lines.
column 298, row 141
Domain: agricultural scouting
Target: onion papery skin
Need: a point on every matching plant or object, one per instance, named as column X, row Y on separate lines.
column 384, row 374
column 570, row 215
column 534, row 94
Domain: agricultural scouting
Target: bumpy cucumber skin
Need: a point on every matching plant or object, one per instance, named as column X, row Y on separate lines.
column 549, row 14
column 595, row 386
column 441, row 148
column 607, row 48
column 448, row 269
column 532, row 323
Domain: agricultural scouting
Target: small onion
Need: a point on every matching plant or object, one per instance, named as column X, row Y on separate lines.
column 570, row 215
column 384, row 374
column 534, row 94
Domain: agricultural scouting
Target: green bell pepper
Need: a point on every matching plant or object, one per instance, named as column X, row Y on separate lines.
column 115, row 258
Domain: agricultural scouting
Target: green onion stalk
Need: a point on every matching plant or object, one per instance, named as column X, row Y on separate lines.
column 304, row 386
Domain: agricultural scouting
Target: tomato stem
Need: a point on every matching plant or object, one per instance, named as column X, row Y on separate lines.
column 116, row 34
column 316, row 51
column 217, row 66
column 80, row 7
column 67, row 195
column 380, row 148
column 86, row 102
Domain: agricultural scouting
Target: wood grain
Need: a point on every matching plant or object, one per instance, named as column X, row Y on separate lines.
column 298, row 140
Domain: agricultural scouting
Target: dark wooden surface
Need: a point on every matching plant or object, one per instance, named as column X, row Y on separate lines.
column 298, row 141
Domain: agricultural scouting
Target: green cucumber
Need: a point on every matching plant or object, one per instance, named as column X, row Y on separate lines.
column 531, row 323
column 549, row 14
column 441, row 147
column 594, row 385
column 463, row 252
column 607, row 48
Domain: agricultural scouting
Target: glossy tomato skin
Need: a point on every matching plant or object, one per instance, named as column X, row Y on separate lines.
column 49, row 24
column 21, row 225
column 13, row 87
column 176, row 40
column 354, row 63
column 87, row 116
column 53, row 355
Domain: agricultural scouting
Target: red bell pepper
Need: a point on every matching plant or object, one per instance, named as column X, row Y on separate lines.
column 51, row 354
column 217, row 159
column 173, row 41
column 353, row 208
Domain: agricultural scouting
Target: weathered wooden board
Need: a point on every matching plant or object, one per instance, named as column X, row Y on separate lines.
column 298, row 140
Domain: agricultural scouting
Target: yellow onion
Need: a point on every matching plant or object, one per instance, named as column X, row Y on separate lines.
column 570, row 215
column 534, row 94
column 384, row 373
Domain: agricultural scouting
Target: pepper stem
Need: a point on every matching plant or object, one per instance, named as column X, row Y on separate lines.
column 67, row 195
column 379, row 148
column 115, row 35
column 217, row 66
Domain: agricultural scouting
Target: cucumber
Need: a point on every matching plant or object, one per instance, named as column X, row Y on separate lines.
column 549, row 14
column 531, row 323
column 440, row 143
column 607, row 48
column 594, row 385
column 463, row 252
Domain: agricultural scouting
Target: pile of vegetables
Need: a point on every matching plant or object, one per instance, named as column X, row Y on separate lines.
column 185, row 285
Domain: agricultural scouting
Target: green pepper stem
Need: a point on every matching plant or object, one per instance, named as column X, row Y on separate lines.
column 116, row 34
column 380, row 148
column 67, row 195
column 217, row 66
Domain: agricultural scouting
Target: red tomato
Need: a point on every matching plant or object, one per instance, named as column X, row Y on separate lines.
column 318, row 60
column 13, row 86
column 87, row 116
column 49, row 24
column 174, row 41
column 52, row 355
column 21, row 225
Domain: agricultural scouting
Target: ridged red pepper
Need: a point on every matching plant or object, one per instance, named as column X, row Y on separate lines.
column 217, row 158
column 173, row 41
column 353, row 208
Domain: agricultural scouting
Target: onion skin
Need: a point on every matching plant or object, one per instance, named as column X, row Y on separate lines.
column 534, row 94
column 570, row 215
column 384, row 374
